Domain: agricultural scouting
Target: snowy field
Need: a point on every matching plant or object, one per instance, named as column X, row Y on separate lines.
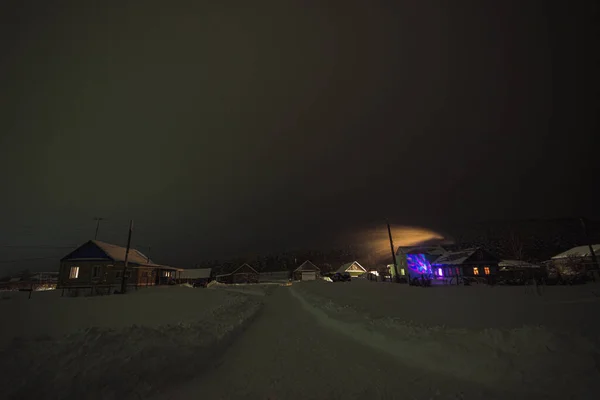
column 313, row 340
column 113, row 347
column 542, row 345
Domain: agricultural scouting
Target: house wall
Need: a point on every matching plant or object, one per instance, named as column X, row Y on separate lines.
column 468, row 270
column 109, row 273
column 250, row 277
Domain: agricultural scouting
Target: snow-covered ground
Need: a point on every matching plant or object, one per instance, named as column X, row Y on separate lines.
column 313, row 340
column 114, row 347
column 538, row 344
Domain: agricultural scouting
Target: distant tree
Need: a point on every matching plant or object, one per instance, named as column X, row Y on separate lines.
column 515, row 247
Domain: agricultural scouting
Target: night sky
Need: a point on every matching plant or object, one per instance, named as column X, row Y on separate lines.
column 225, row 128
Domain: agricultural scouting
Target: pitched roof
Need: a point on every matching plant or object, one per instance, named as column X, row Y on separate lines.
column 110, row 251
column 347, row 266
column 242, row 266
column 307, row 266
column 117, row 253
column 579, row 251
column 198, row 273
column 516, row 264
column 455, row 257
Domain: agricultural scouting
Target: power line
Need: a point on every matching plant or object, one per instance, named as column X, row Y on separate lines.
column 26, row 259
column 17, row 246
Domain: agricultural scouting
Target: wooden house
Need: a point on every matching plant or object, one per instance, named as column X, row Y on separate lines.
column 577, row 260
column 473, row 262
column 307, row 271
column 100, row 266
column 243, row 274
column 353, row 268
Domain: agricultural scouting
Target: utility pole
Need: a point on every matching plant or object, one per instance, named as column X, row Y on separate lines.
column 97, row 225
column 396, row 277
column 123, row 280
column 589, row 243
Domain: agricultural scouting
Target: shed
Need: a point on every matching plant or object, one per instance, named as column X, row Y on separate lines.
column 353, row 268
column 307, row 271
column 243, row 274
column 577, row 260
column 192, row 275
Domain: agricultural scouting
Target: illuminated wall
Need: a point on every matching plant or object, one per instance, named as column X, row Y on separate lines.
column 418, row 263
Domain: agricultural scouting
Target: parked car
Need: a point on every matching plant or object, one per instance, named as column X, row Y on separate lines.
column 338, row 277
column 200, row 283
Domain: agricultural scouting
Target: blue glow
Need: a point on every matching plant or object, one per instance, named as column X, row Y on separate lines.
column 418, row 263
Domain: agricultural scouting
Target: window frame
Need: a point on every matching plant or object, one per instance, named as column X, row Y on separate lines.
column 75, row 269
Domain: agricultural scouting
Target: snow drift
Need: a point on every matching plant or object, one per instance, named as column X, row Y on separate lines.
column 115, row 347
column 450, row 331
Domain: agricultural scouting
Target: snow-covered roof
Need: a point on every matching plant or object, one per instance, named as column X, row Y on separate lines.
column 242, row 266
column 455, row 257
column 351, row 266
column 117, row 253
column 307, row 266
column 579, row 251
column 516, row 264
column 198, row 273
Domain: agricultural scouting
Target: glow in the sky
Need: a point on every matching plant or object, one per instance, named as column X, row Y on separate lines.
column 377, row 243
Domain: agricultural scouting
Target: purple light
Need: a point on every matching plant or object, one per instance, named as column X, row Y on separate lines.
column 440, row 272
column 418, row 263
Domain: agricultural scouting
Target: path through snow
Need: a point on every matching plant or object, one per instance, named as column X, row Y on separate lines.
column 286, row 353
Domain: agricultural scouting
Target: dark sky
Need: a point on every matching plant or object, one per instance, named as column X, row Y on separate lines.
column 236, row 126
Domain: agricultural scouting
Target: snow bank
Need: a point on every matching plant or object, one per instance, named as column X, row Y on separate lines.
column 114, row 347
column 256, row 289
column 443, row 330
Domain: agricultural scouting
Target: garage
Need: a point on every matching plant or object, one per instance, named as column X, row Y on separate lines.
column 306, row 272
column 309, row 275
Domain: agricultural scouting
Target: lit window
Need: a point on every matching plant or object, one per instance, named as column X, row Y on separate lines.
column 486, row 270
column 440, row 272
column 475, row 271
column 96, row 271
column 402, row 271
column 74, row 273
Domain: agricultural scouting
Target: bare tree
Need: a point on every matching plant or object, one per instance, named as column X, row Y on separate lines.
column 515, row 247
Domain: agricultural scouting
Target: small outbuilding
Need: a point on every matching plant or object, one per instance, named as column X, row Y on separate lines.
column 307, row 271
column 193, row 275
column 243, row 274
column 353, row 268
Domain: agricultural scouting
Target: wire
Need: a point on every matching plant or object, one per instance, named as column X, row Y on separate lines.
column 37, row 247
column 26, row 259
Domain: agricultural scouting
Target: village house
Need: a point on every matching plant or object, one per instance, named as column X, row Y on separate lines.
column 474, row 262
column 415, row 261
column 577, row 260
column 307, row 271
column 99, row 266
column 353, row 268
column 243, row 274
